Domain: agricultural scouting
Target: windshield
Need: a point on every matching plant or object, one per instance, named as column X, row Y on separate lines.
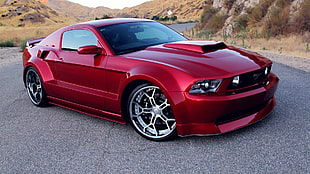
column 130, row 37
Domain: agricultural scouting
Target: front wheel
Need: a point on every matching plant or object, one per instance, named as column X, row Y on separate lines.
column 34, row 88
column 150, row 113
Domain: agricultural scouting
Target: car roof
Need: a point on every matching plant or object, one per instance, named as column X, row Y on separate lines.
column 104, row 22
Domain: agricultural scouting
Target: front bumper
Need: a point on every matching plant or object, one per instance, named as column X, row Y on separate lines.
column 204, row 115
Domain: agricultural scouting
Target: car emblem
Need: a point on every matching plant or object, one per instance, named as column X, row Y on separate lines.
column 256, row 76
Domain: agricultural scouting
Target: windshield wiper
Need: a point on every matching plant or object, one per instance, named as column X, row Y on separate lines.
column 131, row 50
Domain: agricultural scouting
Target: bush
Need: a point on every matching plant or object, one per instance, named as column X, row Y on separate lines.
column 7, row 44
column 104, row 17
column 23, row 44
column 283, row 3
column 257, row 13
column 208, row 12
column 229, row 3
column 277, row 24
column 166, row 18
column 217, row 22
column 174, row 18
column 155, row 18
column 302, row 22
column 242, row 21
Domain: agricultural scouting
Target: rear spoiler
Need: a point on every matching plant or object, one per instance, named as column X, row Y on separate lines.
column 34, row 42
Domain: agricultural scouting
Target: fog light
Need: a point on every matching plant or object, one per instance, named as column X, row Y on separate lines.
column 236, row 81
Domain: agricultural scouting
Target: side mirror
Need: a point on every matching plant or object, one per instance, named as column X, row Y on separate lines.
column 91, row 49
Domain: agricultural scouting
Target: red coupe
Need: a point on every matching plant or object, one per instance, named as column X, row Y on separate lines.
column 142, row 72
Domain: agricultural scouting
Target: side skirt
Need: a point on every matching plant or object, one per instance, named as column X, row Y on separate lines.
column 87, row 110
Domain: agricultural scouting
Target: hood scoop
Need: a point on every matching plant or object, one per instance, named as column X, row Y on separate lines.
column 197, row 46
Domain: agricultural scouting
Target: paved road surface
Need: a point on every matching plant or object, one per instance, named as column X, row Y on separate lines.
column 56, row 140
column 183, row 27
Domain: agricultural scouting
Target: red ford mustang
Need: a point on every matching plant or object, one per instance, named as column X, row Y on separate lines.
column 142, row 72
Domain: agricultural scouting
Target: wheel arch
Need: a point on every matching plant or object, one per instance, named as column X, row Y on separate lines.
column 126, row 94
column 166, row 80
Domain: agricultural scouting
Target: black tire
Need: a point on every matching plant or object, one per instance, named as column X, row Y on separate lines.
column 34, row 87
column 150, row 113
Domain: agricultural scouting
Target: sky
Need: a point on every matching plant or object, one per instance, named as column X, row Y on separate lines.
column 113, row 4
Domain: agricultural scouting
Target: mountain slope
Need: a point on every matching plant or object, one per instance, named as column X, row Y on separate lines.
column 80, row 12
column 27, row 13
column 183, row 9
column 269, row 17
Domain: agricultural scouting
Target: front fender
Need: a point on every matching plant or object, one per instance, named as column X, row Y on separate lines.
column 170, row 82
column 167, row 79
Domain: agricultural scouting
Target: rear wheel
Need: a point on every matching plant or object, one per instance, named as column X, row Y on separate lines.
column 150, row 113
column 34, row 88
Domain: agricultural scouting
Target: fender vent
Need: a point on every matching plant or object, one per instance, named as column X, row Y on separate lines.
column 42, row 54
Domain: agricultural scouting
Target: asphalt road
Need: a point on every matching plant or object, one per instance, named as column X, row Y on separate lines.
column 56, row 140
column 183, row 27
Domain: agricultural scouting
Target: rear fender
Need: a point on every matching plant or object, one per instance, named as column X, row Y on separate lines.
column 41, row 66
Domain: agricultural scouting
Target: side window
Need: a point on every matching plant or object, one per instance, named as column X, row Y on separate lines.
column 73, row 39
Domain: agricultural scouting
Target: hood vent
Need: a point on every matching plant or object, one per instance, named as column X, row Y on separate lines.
column 197, row 46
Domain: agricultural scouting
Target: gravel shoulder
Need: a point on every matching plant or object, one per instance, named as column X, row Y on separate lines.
column 295, row 62
column 10, row 55
column 13, row 55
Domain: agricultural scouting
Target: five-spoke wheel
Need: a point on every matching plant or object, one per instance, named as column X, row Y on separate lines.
column 150, row 113
column 34, row 88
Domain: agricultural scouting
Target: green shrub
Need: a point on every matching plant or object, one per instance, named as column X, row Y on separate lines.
column 242, row 21
column 23, row 44
column 104, row 17
column 155, row 18
column 7, row 44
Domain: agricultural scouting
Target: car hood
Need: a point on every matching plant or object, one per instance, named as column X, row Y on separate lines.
column 203, row 58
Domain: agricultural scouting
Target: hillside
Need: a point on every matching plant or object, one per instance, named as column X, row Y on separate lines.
column 257, row 17
column 19, row 13
column 183, row 9
column 79, row 12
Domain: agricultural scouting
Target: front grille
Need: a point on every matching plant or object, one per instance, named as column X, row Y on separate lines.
column 249, row 79
column 239, row 115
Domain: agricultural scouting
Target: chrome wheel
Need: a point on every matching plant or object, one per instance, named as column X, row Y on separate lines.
column 151, row 114
column 34, row 87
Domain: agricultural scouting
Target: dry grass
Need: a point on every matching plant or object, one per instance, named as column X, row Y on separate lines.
column 287, row 45
column 19, row 34
column 294, row 45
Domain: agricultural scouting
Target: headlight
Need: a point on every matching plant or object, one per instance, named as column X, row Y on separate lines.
column 205, row 86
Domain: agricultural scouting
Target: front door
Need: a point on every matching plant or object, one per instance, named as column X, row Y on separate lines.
column 80, row 77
